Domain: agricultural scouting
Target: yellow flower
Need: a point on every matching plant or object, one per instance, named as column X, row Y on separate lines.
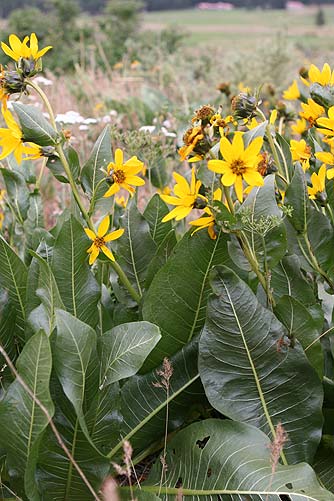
column 299, row 127
column 300, row 152
column 328, row 158
column 186, row 197
column 190, row 138
column 18, row 49
column 123, row 174
column 11, row 141
column 323, row 77
column 292, row 92
column 327, row 124
column 122, row 201
column 239, row 164
column 100, row 239
column 311, row 111
column 209, row 220
column 318, row 182
column 252, row 124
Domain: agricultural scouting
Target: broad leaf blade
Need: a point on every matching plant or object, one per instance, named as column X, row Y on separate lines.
column 231, row 459
column 124, row 350
column 297, row 197
column 13, row 278
column 176, row 299
column 72, row 350
column 99, row 159
column 36, row 129
column 77, row 286
column 249, row 372
column 136, row 248
column 144, row 403
column 21, row 420
column 155, row 211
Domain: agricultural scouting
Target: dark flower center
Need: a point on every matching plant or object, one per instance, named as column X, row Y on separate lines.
column 99, row 242
column 238, row 167
column 119, row 176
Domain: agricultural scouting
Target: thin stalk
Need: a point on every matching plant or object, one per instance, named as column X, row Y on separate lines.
column 248, row 251
column 93, row 199
column 318, row 338
column 125, row 281
column 41, row 172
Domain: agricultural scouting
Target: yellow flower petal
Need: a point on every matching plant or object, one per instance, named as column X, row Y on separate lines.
column 239, row 188
column 93, row 255
column 114, row 235
column 103, row 226
column 90, row 234
column 119, row 157
column 107, row 252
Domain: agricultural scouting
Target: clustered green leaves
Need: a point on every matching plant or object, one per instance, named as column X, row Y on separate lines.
column 221, row 346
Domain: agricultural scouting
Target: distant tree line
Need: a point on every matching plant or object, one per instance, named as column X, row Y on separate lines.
column 97, row 6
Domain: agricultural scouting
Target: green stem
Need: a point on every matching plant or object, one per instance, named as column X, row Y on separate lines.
column 123, row 278
column 247, row 250
column 125, row 281
column 255, row 266
column 40, row 177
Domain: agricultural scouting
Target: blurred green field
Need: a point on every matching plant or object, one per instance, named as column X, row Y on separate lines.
column 243, row 29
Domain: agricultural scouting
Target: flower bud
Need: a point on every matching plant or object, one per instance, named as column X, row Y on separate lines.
column 244, row 105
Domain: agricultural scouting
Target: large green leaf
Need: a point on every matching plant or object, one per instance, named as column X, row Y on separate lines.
column 77, row 286
column 35, row 128
column 13, row 278
column 154, row 212
column 297, row 197
column 251, row 375
column 72, row 350
column 144, row 404
column 47, row 294
column 324, row 462
column 21, row 420
column 124, row 350
column 17, row 192
column 288, row 279
column 7, row 327
column 222, row 459
column 176, row 299
column 99, row 159
column 136, row 247
column 303, row 326
column 56, row 476
column 321, row 236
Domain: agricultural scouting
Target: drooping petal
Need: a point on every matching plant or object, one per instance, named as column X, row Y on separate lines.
column 103, row 226
column 93, row 255
column 135, row 180
column 114, row 235
column 228, row 178
column 239, row 188
column 90, row 234
column 219, row 166
column 176, row 213
column 9, row 51
column 114, row 188
column 107, row 252
column 253, row 177
column 326, row 157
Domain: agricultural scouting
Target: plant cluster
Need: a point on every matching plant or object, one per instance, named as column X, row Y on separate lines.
column 145, row 359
